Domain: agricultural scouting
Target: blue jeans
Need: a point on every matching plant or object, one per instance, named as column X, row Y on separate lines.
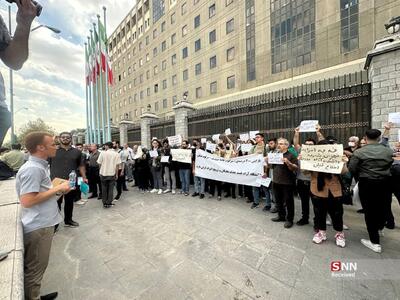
column 199, row 184
column 267, row 192
column 184, row 175
column 5, row 123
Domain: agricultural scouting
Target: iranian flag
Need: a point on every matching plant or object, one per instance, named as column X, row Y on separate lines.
column 92, row 60
column 87, row 66
column 105, row 60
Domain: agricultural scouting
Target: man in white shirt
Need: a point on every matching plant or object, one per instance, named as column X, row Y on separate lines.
column 109, row 162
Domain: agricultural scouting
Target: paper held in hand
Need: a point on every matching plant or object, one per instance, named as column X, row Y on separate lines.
column 153, row 153
column 175, row 140
column 203, row 140
column 252, row 134
column 215, row 137
column 211, row 147
column 246, row 147
column 308, row 126
column 164, row 159
column 275, row 158
column 264, row 181
column 244, row 137
column 322, row 158
column 57, row 181
column 182, row 155
column 228, row 131
column 394, row 118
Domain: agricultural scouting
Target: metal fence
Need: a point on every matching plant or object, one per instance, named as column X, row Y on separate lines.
column 163, row 128
column 342, row 105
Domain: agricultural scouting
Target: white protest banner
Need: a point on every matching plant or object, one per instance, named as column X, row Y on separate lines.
column 215, row 137
column 175, row 140
column 239, row 170
column 308, row 126
column 246, row 147
column 252, row 134
column 182, row 155
column 164, row 159
column 203, row 140
column 153, row 153
column 264, row 181
column 322, row 158
column 275, row 158
column 244, row 137
column 394, row 118
column 211, row 147
column 228, row 131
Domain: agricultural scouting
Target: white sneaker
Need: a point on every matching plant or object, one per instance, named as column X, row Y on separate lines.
column 153, row 191
column 80, row 202
column 345, row 227
column 374, row 247
column 173, row 192
column 319, row 237
column 166, row 191
column 340, row 240
column 328, row 222
column 159, row 191
column 381, row 233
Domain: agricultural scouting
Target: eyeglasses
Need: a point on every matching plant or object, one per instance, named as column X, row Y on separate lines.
column 66, row 137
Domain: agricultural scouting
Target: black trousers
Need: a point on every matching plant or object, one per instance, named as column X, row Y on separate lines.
column 69, row 200
column 108, row 183
column 375, row 197
column 230, row 189
column 284, row 200
column 213, row 184
column 121, row 183
column 332, row 206
column 94, row 180
column 5, row 171
column 303, row 189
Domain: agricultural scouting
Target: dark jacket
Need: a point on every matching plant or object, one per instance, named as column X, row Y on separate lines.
column 373, row 161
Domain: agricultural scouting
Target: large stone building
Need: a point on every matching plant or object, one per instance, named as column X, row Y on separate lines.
column 222, row 50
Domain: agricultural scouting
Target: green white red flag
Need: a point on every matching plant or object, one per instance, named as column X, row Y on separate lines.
column 105, row 60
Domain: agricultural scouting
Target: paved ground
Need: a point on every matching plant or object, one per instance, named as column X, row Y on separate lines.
column 175, row 247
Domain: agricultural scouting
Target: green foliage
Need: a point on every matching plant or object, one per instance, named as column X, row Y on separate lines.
column 37, row 125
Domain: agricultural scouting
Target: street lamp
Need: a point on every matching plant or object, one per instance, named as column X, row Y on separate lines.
column 55, row 30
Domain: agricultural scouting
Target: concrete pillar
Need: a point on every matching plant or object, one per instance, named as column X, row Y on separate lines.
column 182, row 110
column 146, row 120
column 81, row 138
column 383, row 65
column 74, row 139
column 123, row 131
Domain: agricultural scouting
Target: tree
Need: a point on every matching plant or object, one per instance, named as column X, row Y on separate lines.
column 37, row 125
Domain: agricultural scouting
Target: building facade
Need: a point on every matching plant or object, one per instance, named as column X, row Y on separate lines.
column 223, row 50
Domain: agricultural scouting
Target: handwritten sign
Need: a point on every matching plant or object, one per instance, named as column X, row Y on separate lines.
column 211, row 147
column 182, row 155
column 153, row 153
column 165, row 159
column 264, row 181
column 252, row 134
column 246, row 147
column 308, row 126
column 394, row 118
column 239, row 170
column 215, row 137
column 244, row 137
column 275, row 158
column 203, row 140
column 175, row 140
column 228, row 131
column 322, row 158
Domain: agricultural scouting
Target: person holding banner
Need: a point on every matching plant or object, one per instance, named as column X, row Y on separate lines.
column 184, row 171
column 219, row 151
column 155, row 166
column 326, row 191
column 199, row 182
column 169, row 167
column 284, row 181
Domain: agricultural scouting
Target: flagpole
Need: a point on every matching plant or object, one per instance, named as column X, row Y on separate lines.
column 95, row 99
column 100, row 86
column 91, row 105
column 108, row 113
column 88, row 139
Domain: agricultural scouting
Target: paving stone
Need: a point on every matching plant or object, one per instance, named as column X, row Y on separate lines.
column 279, row 269
column 248, row 255
column 288, row 253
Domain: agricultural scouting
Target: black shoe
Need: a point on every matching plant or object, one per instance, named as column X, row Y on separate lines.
column 227, row 195
column 288, row 224
column 201, row 196
column 93, row 196
column 117, row 197
column 126, row 190
column 249, row 201
column 195, row 194
column 278, row 219
column 99, row 197
column 50, row 296
column 106, row 205
column 219, row 198
column 71, row 224
column 266, row 208
column 254, row 205
column 233, row 196
column 360, row 211
column 273, row 210
column 302, row 222
column 390, row 225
